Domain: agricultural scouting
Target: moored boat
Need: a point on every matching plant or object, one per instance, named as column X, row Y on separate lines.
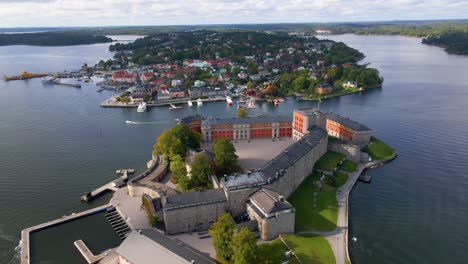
column 190, row 104
column 199, row 102
column 172, row 107
column 229, row 100
column 141, row 107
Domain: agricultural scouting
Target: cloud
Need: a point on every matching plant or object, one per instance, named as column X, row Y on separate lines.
column 26, row 13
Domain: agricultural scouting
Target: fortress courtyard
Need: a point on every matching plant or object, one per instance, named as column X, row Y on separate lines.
column 254, row 153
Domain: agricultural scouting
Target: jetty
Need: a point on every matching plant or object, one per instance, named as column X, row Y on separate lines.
column 25, row 233
column 87, row 254
column 110, row 186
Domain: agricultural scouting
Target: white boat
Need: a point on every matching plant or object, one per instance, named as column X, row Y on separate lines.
column 190, row 104
column 251, row 103
column 199, row 102
column 141, row 107
column 229, row 100
column 172, row 107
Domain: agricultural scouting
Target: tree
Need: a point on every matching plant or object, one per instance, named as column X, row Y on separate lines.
column 244, row 247
column 201, row 169
column 146, row 98
column 225, row 156
column 176, row 141
column 178, row 169
column 222, row 231
column 242, row 113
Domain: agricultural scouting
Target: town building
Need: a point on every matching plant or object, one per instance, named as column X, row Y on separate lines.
column 265, row 126
column 350, row 84
column 323, row 88
column 148, row 246
column 123, row 77
column 147, row 76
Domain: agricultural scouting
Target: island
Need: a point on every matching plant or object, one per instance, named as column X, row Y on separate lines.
column 54, row 38
column 260, row 189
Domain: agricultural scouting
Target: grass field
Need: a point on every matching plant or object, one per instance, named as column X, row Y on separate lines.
column 309, row 249
column 349, row 166
column 323, row 215
column 329, row 161
column 379, row 150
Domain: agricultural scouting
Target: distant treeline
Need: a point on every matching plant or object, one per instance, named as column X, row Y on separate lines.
column 453, row 42
column 65, row 38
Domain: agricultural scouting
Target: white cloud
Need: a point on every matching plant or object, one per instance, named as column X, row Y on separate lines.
column 25, row 13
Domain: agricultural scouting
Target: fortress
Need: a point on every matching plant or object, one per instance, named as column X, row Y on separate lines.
column 258, row 198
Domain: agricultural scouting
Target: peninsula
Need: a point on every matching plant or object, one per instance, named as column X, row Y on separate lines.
column 181, row 66
column 55, row 38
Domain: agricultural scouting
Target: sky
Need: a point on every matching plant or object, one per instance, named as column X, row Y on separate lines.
column 58, row 13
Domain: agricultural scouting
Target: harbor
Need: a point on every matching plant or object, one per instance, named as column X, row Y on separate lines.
column 25, row 233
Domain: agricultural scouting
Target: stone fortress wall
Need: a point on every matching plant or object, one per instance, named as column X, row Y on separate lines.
column 282, row 175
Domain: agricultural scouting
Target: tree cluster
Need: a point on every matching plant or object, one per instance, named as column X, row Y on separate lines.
column 232, row 247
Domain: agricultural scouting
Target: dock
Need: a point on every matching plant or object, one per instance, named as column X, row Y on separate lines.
column 87, row 254
column 110, row 186
column 365, row 178
column 25, row 233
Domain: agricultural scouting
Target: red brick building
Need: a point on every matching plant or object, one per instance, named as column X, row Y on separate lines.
column 246, row 128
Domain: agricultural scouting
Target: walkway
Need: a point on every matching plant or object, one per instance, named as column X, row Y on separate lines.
column 338, row 238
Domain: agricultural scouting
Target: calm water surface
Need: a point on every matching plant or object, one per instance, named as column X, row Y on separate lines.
column 57, row 143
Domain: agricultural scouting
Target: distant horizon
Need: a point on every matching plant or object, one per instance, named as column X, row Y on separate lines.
column 403, row 21
column 105, row 13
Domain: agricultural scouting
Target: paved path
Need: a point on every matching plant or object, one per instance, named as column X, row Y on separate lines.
column 338, row 238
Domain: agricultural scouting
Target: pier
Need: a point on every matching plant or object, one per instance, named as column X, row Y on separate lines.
column 25, row 233
column 110, row 186
column 87, row 254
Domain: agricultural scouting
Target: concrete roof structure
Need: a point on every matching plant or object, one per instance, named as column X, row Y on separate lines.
column 248, row 120
column 278, row 164
column 347, row 122
column 194, row 198
column 294, row 152
column 148, row 246
column 269, row 202
column 308, row 111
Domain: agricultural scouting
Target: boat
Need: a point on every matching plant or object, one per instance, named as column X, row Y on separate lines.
column 172, row 107
column 276, row 102
column 141, row 107
column 229, row 100
column 24, row 75
column 199, row 102
column 130, row 122
column 251, row 103
column 190, row 104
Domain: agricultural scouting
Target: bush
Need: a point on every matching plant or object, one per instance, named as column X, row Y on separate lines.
column 152, row 219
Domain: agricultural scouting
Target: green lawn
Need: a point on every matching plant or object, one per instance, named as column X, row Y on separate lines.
column 324, row 214
column 329, row 161
column 379, row 150
column 309, row 249
column 272, row 252
column 349, row 166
